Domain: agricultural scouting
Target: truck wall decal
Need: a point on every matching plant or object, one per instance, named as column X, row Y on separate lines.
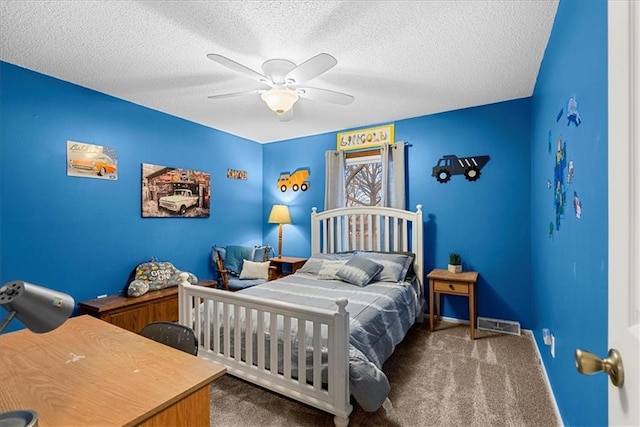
column 294, row 181
column 453, row 165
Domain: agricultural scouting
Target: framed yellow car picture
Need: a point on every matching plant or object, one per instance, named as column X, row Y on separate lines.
column 91, row 161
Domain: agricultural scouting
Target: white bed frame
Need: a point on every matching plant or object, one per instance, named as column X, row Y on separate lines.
column 337, row 230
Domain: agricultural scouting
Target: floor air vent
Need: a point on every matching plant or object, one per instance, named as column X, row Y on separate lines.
column 498, row 325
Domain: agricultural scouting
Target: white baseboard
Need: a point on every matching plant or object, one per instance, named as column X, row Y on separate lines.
column 454, row 320
column 546, row 377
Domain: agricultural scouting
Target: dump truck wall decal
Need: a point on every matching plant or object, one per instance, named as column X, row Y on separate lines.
column 453, row 165
column 294, row 181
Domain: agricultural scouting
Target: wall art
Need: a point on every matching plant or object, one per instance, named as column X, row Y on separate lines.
column 236, row 174
column 564, row 170
column 559, row 186
column 91, row 161
column 453, row 165
column 366, row 138
column 294, row 181
column 175, row 192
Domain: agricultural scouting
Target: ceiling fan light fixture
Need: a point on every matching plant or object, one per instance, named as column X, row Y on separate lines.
column 279, row 99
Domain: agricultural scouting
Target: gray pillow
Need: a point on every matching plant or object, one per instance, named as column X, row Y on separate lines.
column 314, row 264
column 329, row 269
column 359, row 271
column 396, row 264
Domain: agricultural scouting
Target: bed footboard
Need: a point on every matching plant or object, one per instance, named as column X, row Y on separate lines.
column 236, row 330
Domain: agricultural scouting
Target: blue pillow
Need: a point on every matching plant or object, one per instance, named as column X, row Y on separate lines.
column 235, row 256
column 395, row 264
column 359, row 271
column 314, row 264
column 260, row 253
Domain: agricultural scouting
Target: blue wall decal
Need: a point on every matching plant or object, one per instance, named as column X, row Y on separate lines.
column 573, row 116
column 560, row 192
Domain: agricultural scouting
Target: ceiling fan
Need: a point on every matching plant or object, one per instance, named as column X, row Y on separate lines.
column 285, row 80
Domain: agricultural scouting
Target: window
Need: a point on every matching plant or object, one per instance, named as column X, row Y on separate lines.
column 363, row 187
column 373, row 177
column 363, row 180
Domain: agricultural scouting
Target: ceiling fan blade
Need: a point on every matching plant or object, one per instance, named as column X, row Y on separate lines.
column 311, row 68
column 236, row 94
column 237, row 67
column 286, row 116
column 324, row 95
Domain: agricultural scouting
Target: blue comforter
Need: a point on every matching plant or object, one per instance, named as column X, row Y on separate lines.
column 380, row 315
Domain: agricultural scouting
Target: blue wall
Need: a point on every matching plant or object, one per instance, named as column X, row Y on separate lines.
column 83, row 236
column 570, row 270
column 487, row 221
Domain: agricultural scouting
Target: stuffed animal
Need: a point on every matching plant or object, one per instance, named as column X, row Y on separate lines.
column 154, row 275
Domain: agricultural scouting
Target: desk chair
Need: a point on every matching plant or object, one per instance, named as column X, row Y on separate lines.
column 172, row 334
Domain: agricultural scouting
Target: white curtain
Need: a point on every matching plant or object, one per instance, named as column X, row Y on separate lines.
column 393, row 172
column 334, row 179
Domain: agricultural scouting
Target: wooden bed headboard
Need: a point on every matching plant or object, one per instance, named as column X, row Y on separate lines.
column 369, row 228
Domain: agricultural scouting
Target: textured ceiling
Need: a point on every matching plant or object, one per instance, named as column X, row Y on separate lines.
column 399, row 59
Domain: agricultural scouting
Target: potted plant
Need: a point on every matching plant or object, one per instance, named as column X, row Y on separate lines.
column 455, row 263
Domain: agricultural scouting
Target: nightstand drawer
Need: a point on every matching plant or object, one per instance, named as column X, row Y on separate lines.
column 451, row 287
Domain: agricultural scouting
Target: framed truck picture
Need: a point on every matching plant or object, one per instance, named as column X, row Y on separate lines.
column 174, row 192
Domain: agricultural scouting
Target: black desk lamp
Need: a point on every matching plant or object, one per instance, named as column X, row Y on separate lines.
column 40, row 310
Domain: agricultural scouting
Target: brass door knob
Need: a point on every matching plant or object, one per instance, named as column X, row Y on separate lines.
column 588, row 363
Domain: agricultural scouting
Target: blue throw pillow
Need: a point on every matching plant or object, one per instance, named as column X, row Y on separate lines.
column 234, row 257
column 314, row 264
column 395, row 264
column 359, row 271
column 260, row 253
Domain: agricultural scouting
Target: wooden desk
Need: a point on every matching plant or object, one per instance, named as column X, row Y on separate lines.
column 445, row 282
column 89, row 372
column 292, row 262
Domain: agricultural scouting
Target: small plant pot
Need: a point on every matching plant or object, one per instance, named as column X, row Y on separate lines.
column 455, row 268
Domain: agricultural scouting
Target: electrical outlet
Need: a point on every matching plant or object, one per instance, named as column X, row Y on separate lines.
column 553, row 346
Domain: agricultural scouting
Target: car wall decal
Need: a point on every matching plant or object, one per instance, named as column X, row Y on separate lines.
column 91, row 161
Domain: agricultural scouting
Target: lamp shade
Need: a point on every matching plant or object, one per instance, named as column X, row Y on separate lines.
column 279, row 99
column 280, row 215
column 38, row 308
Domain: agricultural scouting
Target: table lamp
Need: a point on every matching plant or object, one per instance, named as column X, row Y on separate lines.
column 279, row 215
column 40, row 310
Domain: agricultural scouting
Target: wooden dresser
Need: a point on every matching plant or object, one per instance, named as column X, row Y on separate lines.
column 133, row 314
